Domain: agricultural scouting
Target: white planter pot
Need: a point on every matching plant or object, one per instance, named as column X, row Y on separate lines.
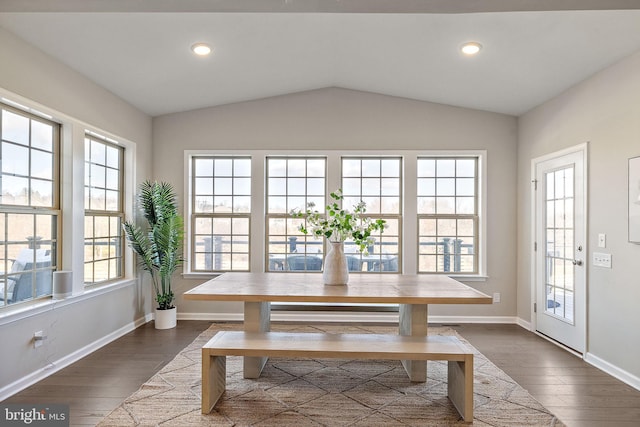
column 166, row 319
column 336, row 270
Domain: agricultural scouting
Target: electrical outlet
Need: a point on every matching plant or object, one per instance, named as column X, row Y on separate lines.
column 38, row 338
column 496, row 297
column 601, row 260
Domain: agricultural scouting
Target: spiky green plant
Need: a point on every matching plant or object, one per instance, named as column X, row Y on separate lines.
column 159, row 247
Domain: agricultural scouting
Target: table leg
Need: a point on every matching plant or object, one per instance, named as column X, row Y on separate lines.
column 413, row 321
column 257, row 318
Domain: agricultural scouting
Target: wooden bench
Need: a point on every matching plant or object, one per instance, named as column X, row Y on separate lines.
column 341, row 346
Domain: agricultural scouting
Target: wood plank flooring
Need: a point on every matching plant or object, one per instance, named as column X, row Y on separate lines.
column 579, row 394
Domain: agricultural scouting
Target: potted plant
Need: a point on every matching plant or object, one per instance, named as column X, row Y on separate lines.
column 338, row 225
column 159, row 246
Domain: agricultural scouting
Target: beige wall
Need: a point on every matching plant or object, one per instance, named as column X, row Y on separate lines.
column 336, row 118
column 605, row 112
column 79, row 324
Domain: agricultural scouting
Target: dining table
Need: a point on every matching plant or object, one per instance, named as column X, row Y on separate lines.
column 412, row 292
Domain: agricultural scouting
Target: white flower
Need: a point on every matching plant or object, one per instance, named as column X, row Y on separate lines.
column 339, row 224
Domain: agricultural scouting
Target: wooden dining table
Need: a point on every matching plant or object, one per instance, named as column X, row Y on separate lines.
column 412, row 293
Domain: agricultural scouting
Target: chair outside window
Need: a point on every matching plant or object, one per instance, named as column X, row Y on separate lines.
column 26, row 279
column 353, row 263
column 304, row 263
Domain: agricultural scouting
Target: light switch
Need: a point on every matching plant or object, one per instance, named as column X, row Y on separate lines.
column 602, row 240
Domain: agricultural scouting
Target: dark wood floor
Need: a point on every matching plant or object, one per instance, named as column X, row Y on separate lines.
column 579, row 394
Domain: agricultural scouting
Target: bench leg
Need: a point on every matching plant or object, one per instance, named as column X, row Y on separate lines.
column 257, row 318
column 460, row 386
column 214, row 377
column 413, row 321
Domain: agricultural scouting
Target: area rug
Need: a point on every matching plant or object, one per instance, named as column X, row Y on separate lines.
column 326, row 392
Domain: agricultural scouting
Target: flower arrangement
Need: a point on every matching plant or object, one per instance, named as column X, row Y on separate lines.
column 338, row 224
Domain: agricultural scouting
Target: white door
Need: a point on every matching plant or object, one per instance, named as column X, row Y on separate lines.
column 560, row 247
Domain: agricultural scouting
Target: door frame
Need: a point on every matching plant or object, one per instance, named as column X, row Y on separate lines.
column 584, row 150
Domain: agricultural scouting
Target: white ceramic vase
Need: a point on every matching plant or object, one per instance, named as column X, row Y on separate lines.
column 166, row 319
column 336, row 270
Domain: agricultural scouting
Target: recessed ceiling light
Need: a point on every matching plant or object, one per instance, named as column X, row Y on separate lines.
column 470, row 48
column 201, row 49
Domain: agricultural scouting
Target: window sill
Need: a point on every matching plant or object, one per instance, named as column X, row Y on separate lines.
column 29, row 309
column 469, row 278
column 200, row 275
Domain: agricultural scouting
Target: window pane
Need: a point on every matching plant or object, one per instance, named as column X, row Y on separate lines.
column 296, row 167
column 466, row 168
column 242, row 167
column 293, row 184
column 15, row 159
column 316, row 167
column 465, row 187
column 427, row 168
column 351, row 167
column 278, row 186
column 446, row 167
column 15, row 127
column 426, row 187
column 351, row 185
column 222, row 186
column 371, row 167
column 242, row 186
column 27, row 253
column 98, row 152
column 448, row 222
column 103, row 211
column 113, row 179
column 223, row 167
column 222, row 204
column 113, row 157
column 203, row 167
column 377, row 183
column 390, row 168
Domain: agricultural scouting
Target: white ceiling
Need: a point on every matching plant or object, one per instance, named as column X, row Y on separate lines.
column 144, row 57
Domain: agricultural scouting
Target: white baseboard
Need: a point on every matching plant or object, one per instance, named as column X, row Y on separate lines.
column 525, row 324
column 343, row 317
column 53, row 367
column 613, row 370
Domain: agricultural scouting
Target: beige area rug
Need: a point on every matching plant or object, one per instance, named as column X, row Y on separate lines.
column 325, row 392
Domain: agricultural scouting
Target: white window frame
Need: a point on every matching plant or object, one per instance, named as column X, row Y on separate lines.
column 409, row 240
column 38, row 270
column 70, row 251
column 118, row 213
column 231, row 216
column 455, row 216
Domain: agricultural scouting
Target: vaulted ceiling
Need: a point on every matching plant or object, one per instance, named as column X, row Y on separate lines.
column 140, row 50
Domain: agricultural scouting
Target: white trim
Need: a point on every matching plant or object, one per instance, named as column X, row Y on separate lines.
column 584, row 150
column 524, row 324
column 614, row 371
column 67, row 360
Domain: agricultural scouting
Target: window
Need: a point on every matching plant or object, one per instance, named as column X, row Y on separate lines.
column 377, row 181
column 292, row 183
column 431, row 201
column 29, row 205
column 103, row 183
column 447, row 214
column 221, row 207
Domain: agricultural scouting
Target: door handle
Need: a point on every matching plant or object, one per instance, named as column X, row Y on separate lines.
column 577, row 262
